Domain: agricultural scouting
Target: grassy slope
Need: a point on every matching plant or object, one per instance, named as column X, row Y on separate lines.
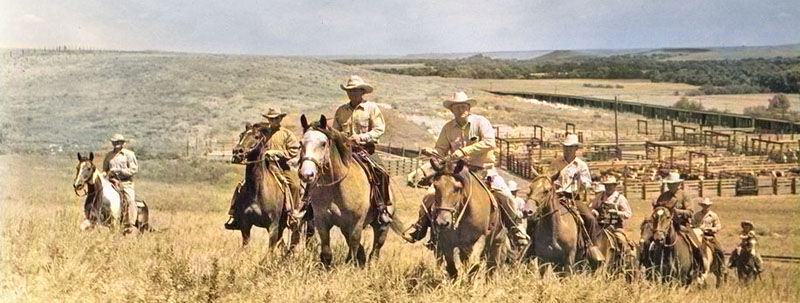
column 43, row 257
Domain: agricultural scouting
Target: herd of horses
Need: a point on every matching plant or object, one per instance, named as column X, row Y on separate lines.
column 462, row 212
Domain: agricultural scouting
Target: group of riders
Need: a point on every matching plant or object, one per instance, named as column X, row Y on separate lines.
column 469, row 138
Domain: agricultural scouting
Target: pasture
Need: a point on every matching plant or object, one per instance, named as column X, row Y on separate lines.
column 44, row 258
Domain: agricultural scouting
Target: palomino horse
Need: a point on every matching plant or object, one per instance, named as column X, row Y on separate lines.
column 462, row 211
column 553, row 228
column 669, row 256
column 339, row 192
column 103, row 202
column 260, row 200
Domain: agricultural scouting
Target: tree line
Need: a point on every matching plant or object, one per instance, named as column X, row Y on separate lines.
column 753, row 75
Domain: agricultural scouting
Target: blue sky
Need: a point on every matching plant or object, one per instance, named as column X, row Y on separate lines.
column 344, row 27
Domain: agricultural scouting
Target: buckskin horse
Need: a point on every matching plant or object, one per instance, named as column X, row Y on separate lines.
column 103, row 204
column 553, row 228
column 669, row 256
column 261, row 199
column 339, row 192
column 463, row 211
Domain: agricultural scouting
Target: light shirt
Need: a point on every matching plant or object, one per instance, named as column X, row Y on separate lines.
column 706, row 221
column 124, row 162
column 573, row 176
column 617, row 201
column 365, row 121
column 475, row 139
column 284, row 144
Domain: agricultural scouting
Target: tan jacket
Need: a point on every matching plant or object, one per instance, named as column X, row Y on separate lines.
column 475, row 140
column 123, row 164
column 365, row 121
column 283, row 144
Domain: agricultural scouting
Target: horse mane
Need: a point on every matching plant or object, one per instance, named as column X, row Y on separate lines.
column 340, row 141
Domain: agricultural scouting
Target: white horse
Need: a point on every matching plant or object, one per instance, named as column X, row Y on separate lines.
column 103, row 202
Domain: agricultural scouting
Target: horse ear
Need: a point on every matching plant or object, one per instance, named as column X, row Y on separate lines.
column 247, row 126
column 323, row 122
column 304, row 122
column 80, row 158
column 91, row 156
column 436, row 165
column 459, row 166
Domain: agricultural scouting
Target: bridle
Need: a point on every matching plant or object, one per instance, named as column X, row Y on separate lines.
column 459, row 209
column 550, row 197
column 657, row 218
column 261, row 157
column 326, row 166
column 90, row 180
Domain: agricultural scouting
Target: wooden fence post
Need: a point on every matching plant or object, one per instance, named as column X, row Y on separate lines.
column 644, row 191
column 700, row 188
column 719, row 187
column 774, row 185
column 794, row 183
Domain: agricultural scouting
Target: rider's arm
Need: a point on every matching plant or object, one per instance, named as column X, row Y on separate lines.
column 377, row 126
column 336, row 125
column 716, row 225
column 443, row 143
column 624, row 210
column 132, row 169
column 291, row 146
column 107, row 162
column 486, row 143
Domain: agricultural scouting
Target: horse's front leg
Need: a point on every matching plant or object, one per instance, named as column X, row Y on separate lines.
column 324, row 232
column 356, row 251
column 276, row 233
column 450, row 263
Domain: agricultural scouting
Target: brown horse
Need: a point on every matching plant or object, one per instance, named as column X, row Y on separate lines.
column 745, row 264
column 462, row 212
column 553, row 228
column 620, row 255
column 260, row 200
column 668, row 256
column 339, row 192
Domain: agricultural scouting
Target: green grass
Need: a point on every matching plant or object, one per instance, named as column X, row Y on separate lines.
column 44, row 258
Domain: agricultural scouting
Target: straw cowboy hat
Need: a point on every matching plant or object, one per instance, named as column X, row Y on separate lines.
column 355, row 82
column 672, row 178
column 512, row 186
column 459, row 98
column 273, row 113
column 706, row 202
column 609, row 179
column 118, row 138
column 571, row 140
column 748, row 222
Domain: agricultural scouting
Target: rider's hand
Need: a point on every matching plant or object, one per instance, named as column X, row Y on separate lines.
column 595, row 213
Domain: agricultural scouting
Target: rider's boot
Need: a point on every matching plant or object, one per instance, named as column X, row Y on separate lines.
column 232, row 224
column 418, row 230
column 385, row 214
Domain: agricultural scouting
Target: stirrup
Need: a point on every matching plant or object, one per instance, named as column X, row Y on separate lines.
column 232, row 224
column 384, row 217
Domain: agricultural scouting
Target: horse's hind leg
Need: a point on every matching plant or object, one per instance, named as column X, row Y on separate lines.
column 379, row 238
column 276, row 233
column 357, row 252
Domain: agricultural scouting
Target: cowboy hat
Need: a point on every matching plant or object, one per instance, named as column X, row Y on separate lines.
column 273, row 113
column 748, row 222
column 512, row 186
column 118, row 138
column 706, row 202
column 672, row 178
column 355, row 82
column 609, row 179
column 459, row 98
column 571, row 140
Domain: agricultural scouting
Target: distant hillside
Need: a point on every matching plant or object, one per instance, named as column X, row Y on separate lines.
column 76, row 100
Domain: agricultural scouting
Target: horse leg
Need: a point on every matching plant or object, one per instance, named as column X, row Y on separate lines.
column 357, row 252
column 245, row 229
column 276, row 233
column 464, row 254
column 379, row 238
column 449, row 258
column 325, row 252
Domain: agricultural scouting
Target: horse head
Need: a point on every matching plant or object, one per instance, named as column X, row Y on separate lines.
column 83, row 171
column 662, row 223
column 449, row 181
column 316, row 151
column 251, row 141
column 541, row 193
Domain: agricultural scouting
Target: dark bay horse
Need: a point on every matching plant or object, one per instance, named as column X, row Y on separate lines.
column 669, row 256
column 260, row 200
column 339, row 192
column 553, row 228
column 462, row 212
column 745, row 263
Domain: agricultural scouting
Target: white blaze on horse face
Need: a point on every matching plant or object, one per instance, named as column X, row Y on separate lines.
column 82, row 176
column 315, row 146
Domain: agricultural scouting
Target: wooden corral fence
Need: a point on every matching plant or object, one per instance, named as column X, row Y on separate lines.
column 635, row 190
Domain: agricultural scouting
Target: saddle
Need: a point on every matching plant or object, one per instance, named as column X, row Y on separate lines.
column 289, row 198
column 376, row 175
column 492, row 199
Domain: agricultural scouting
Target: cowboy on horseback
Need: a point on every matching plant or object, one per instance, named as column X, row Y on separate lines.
column 708, row 221
column 571, row 176
column 675, row 199
column 472, row 138
column 611, row 206
column 120, row 166
column 748, row 240
column 363, row 122
column 281, row 147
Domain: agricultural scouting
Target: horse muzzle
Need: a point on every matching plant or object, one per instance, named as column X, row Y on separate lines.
column 308, row 171
column 659, row 236
column 444, row 219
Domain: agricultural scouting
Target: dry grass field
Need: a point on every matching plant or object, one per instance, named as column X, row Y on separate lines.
column 44, row 258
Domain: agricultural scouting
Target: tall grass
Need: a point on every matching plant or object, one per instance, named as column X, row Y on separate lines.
column 44, row 258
